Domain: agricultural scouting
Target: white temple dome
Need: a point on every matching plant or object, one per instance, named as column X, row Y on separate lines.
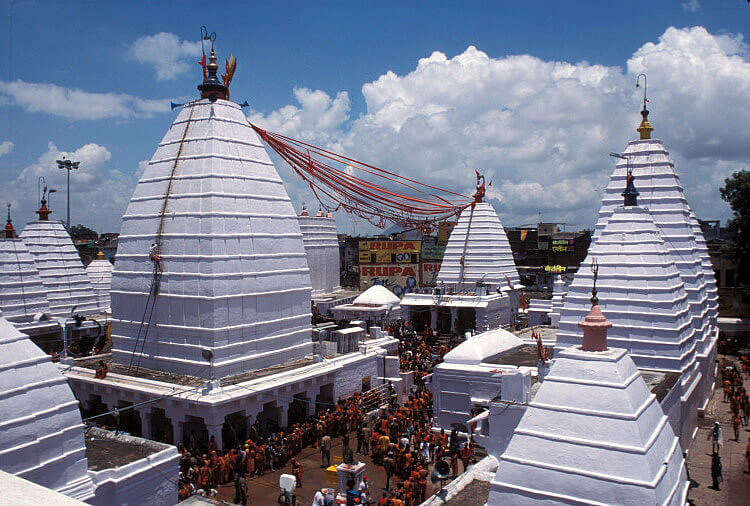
column 60, row 268
column 99, row 272
column 639, row 289
column 480, row 347
column 235, row 277
column 662, row 194
column 41, row 432
column 376, row 295
column 484, row 256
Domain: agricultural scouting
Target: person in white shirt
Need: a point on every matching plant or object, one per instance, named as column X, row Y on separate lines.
column 319, row 499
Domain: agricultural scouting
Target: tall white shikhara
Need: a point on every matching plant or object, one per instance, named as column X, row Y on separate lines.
column 235, row 277
column 478, row 251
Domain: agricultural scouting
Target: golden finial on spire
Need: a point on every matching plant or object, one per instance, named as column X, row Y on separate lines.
column 645, row 128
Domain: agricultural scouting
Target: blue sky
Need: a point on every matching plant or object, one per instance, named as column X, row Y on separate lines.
column 333, row 49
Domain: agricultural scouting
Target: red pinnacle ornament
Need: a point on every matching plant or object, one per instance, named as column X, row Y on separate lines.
column 595, row 327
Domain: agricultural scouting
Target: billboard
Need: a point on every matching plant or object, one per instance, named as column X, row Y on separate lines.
column 563, row 244
column 398, row 278
column 387, row 252
column 429, row 272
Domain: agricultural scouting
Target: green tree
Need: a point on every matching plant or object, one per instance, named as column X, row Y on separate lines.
column 736, row 192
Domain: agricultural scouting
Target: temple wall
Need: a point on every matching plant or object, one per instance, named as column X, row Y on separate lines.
column 150, row 480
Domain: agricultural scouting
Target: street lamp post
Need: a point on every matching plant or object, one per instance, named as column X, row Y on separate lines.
column 68, row 165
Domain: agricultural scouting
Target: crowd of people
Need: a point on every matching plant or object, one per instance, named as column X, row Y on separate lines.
column 398, row 438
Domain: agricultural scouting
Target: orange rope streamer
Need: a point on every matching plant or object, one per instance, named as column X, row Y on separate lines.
column 331, row 178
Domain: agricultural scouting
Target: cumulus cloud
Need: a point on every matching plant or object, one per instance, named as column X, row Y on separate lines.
column 169, row 55
column 691, row 6
column 542, row 129
column 317, row 118
column 6, row 147
column 99, row 192
column 75, row 104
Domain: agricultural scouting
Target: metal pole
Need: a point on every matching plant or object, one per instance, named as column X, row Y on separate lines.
column 68, row 198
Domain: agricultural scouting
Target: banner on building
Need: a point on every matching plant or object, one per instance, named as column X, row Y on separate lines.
column 387, row 252
column 398, row 278
column 429, row 272
column 563, row 245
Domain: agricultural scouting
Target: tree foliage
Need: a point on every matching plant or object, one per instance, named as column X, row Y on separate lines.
column 736, row 192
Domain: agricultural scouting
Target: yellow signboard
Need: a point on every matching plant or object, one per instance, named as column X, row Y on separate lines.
column 398, row 278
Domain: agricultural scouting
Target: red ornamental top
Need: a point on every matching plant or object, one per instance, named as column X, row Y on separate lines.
column 10, row 232
column 595, row 327
column 44, row 211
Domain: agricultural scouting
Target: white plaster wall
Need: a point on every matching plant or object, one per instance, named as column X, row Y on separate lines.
column 22, row 294
column 349, row 379
column 236, row 278
column 60, row 268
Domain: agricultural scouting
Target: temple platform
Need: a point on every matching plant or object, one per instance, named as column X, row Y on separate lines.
column 184, row 408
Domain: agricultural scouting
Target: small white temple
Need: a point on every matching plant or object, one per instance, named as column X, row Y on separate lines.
column 99, row 272
column 22, row 295
column 477, row 283
column 321, row 242
column 593, row 434
column 60, row 268
column 375, row 306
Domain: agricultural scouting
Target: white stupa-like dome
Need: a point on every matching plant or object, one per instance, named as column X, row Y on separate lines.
column 22, row 294
column 99, row 272
column 377, row 295
column 41, row 432
column 662, row 194
column 235, row 278
column 478, row 251
column 640, row 290
column 321, row 241
column 60, row 267
column 593, row 434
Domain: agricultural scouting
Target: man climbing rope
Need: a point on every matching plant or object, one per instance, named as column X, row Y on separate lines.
column 155, row 257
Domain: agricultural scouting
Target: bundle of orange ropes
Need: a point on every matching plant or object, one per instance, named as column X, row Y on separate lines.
column 378, row 196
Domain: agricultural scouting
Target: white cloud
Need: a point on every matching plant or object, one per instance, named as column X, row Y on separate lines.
column 691, row 6
column 77, row 104
column 99, row 192
column 6, row 147
column 169, row 55
column 542, row 129
column 318, row 118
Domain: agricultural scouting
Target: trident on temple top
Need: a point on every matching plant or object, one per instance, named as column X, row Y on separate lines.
column 595, row 270
column 645, row 128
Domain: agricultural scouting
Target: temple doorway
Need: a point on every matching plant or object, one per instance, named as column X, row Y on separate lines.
column 234, row 431
column 298, row 408
column 466, row 320
column 195, row 432
column 324, row 400
column 161, row 426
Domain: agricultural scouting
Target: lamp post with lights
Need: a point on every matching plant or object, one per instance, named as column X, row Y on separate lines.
column 68, row 165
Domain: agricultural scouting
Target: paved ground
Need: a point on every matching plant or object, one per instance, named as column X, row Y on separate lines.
column 264, row 490
column 736, row 486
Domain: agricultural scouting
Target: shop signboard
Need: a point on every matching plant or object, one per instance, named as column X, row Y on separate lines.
column 398, row 278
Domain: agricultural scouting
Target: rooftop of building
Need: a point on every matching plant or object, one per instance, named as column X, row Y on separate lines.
column 186, row 380
column 106, row 449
